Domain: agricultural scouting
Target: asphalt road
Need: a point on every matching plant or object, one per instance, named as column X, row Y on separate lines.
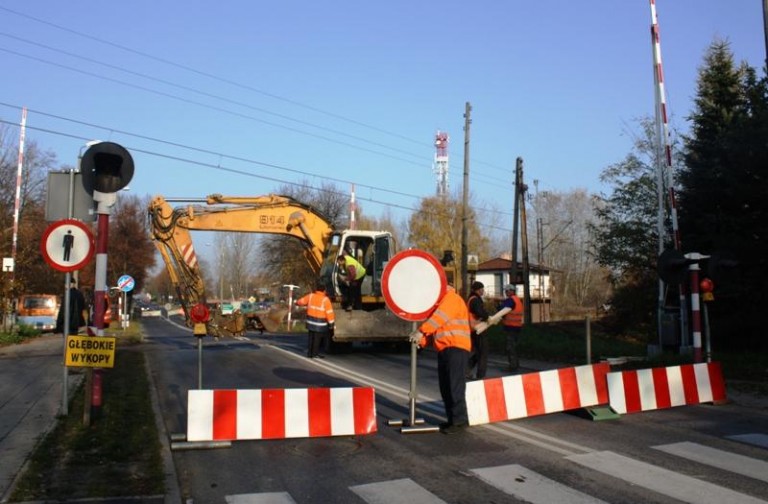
column 701, row 454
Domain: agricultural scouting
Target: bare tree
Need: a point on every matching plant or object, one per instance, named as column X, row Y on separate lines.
column 562, row 242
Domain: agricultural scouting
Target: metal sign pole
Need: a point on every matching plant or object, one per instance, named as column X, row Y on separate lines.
column 200, row 363
column 413, row 425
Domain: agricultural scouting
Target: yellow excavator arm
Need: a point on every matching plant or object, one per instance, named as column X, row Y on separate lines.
column 170, row 228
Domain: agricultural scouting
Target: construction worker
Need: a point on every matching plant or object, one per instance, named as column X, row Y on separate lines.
column 477, row 314
column 448, row 330
column 320, row 319
column 512, row 324
column 351, row 274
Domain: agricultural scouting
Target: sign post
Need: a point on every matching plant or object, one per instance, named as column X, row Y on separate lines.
column 67, row 245
column 413, row 283
column 200, row 315
column 126, row 284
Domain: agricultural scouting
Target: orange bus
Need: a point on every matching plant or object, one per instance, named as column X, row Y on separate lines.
column 38, row 310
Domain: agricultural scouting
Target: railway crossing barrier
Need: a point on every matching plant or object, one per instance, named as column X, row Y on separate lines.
column 230, row 415
column 531, row 394
column 665, row 387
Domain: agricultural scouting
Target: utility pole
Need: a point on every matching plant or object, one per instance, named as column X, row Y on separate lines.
column 465, row 202
column 516, row 219
column 524, row 245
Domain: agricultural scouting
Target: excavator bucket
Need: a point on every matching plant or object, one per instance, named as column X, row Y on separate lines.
column 272, row 319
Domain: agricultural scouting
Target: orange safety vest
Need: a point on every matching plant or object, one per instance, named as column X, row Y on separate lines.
column 319, row 311
column 449, row 323
column 515, row 317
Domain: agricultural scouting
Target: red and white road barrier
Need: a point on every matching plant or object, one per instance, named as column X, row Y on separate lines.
column 531, row 394
column 228, row 415
column 658, row 388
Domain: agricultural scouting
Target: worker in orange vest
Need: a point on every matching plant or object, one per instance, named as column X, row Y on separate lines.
column 512, row 323
column 320, row 319
column 448, row 330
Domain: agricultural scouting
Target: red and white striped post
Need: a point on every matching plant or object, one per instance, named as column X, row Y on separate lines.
column 17, row 204
column 102, row 239
column 665, row 175
column 693, row 268
column 663, row 124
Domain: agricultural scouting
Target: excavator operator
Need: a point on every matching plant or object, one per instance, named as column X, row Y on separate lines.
column 351, row 274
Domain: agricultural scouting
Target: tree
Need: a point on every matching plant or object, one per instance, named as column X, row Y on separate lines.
column 437, row 224
column 282, row 257
column 626, row 234
column 30, row 273
column 566, row 246
column 723, row 208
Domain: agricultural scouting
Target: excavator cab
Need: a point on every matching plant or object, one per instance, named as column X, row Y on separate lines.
column 372, row 249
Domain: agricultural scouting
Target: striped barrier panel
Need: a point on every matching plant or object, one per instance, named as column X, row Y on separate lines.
column 531, row 394
column 666, row 387
column 228, row 415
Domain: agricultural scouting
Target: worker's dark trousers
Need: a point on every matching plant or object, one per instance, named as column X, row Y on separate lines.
column 451, row 366
column 314, row 343
column 479, row 356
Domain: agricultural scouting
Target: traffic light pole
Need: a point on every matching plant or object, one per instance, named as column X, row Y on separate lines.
column 106, row 168
column 105, row 203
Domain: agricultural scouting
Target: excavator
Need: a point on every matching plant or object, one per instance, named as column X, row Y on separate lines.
column 171, row 229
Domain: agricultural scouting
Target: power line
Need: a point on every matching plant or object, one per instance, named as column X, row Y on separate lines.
column 211, row 152
column 224, row 80
column 219, row 167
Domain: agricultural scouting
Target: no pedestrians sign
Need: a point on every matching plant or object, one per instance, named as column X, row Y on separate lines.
column 67, row 245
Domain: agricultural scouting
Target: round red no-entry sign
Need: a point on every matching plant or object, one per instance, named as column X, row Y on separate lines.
column 413, row 283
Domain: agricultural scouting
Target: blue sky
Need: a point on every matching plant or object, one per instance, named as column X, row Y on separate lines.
column 273, row 92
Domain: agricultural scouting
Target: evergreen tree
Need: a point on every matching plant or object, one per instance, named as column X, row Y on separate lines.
column 723, row 187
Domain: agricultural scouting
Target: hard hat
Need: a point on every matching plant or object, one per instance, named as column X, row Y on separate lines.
column 509, row 287
column 477, row 285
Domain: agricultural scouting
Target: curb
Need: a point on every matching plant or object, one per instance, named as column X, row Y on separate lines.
column 172, row 490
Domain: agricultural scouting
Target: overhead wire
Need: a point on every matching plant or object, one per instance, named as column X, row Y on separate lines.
column 219, row 167
column 227, row 81
column 475, row 175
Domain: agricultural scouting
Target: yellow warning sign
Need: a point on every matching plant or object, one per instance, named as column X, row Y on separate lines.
column 91, row 351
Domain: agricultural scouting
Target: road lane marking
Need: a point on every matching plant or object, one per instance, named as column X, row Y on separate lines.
column 529, row 486
column 760, row 440
column 261, row 498
column 401, row 491
column 660, row 480
column 720, row 459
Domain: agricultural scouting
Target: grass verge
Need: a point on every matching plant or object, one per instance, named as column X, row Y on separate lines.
column 118, row 455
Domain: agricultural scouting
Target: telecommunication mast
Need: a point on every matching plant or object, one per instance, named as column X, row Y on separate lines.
column 441, row 162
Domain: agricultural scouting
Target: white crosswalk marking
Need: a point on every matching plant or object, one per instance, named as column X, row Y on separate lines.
column 402, row 491
column 261, row 498
column 760, row 440
column 666, row 482
column 732, row 462
column 532, row 487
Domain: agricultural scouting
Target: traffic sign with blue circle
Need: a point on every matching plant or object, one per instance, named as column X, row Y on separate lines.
column 125, row 283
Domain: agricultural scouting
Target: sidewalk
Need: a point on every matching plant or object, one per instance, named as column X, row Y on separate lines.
column 31, row 377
